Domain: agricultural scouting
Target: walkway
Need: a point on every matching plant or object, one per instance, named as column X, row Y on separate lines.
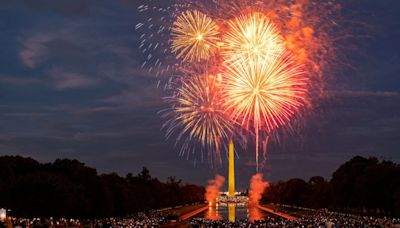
column 280, row 214
column 193, row 213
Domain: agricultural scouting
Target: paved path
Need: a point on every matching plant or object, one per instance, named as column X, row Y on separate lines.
column 193, row 213
column 280, row 214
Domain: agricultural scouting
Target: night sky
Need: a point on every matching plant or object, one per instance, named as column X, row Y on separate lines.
column 71, row 86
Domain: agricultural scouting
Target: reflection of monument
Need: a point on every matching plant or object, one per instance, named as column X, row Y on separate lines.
column 231, row 212
column 231, row 176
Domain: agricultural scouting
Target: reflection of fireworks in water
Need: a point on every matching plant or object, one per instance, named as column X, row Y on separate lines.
column 212, row 214
column 251, row 37
column 197, row 113
column 266, row 95
column 194, row 36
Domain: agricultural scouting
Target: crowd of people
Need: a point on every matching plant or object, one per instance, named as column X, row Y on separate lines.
column 157, row 219
column 319, row 220
column 152, row 219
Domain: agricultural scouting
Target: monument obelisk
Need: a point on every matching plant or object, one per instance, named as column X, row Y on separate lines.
column 231, row 174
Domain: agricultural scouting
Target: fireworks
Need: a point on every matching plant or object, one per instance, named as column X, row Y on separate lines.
column 265, row 95
column 262, row 88
column 194, row 36
column 267, row 56
column 198, row 113
column 251, row 37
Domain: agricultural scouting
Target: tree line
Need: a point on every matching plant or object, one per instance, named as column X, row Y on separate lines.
column 364, row 186
column 68, row 188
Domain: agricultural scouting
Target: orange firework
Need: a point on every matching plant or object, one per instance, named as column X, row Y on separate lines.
column 265, row 86
column 251, row 37
column 198, row 113
column 265, row 96
column 265, row 93
column 271, row 55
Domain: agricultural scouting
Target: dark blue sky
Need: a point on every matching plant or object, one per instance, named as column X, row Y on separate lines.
column 71, row 86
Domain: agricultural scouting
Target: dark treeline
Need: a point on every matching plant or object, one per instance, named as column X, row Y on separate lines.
column 68, row 188
column 360, row 186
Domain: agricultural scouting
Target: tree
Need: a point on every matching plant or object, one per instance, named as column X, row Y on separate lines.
column 68, row 188
column 361, row 185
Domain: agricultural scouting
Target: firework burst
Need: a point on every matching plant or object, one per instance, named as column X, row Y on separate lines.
column 265, row 96
column 251, row 37
column 194, row 36
column 198, row 114
column 271, row 58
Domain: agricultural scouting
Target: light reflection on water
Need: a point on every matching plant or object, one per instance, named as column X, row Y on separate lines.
column 233, row 212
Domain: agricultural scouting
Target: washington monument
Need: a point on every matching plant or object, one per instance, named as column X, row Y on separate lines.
column 231, row 175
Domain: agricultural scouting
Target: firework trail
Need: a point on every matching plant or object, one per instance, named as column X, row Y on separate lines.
column 154, row 34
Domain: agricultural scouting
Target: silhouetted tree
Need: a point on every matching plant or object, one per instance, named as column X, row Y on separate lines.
column 361, row 185
column 69, row 188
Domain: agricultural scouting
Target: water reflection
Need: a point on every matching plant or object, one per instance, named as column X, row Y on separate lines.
column 212, row 213
column 233, row 212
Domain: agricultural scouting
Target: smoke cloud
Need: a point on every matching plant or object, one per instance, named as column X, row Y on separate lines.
column 255, row 214
column 212, row 190
column 257, row 187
